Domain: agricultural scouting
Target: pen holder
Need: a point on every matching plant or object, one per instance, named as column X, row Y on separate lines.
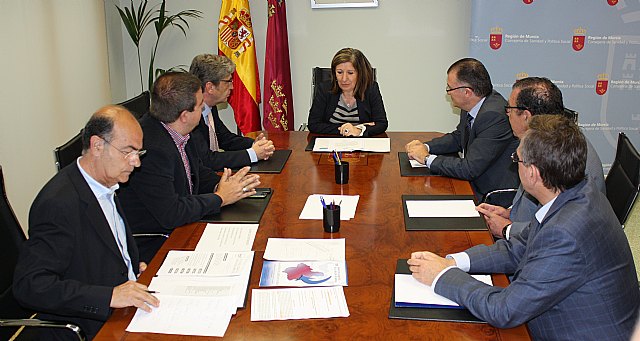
column 331, row 219
column 342, row 173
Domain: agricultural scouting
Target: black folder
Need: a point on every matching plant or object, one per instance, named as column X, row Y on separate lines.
column 312, row 142
column 426, row 314
column 274, row 164
column 407, row 170
column 441, row 223
column 246, row 211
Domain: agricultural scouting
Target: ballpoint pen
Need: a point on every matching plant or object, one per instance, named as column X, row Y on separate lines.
column 322, row 202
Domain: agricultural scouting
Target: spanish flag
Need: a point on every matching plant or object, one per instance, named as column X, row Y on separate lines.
column 236, row 41
column 278, row 101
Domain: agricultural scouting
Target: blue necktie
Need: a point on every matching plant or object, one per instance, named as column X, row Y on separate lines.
column 467, row 131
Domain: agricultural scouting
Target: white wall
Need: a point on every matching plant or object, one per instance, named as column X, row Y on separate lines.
column 54, row 58
column 410, row 42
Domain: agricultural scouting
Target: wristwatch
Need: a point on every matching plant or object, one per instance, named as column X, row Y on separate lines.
column 504, row 231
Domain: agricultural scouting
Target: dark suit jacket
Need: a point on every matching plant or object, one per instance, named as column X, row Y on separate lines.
column 487, row 161
column 69, row 266
column 227, row 140
column 574, row 276
column 218, row 160
column 325, row 103
column 157, row 198
column 524, row 206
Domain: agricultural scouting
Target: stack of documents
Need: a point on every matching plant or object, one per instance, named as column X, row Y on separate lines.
column 411, row 293
column 318, row 264
column 350, row 144
column 313, row 207
column 200, row 290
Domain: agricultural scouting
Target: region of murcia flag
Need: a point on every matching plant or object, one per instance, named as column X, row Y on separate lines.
column 602, row 84
column 578, row 38
column 277, row 108
column 495, row 39
column 236, row 41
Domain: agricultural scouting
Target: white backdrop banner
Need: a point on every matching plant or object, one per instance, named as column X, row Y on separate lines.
column 588, row 48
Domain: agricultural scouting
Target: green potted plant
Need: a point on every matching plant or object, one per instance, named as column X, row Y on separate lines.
column 137, row 20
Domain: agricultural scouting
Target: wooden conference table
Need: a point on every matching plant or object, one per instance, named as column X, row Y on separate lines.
column 375, row 239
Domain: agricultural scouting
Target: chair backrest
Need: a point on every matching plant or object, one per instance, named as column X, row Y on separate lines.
column 623, row 180
column 320, row 75
column 68, row 152
column 571, row 114
column 500, row 197
column 11, row 238
column 138, row 105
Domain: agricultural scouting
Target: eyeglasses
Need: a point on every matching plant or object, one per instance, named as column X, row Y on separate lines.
column 507, row 108
column 449, row 89
column 230, row 80
column 515, row 158
column 128, row 155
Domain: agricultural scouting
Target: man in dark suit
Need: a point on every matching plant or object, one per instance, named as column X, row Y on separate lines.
column 483, row 136
column 80, row 259
column 215, row 73
column 173, row 187
column 533, row 96
column 573, row 271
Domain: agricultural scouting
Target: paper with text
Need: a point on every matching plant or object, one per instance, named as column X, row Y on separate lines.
column 313, row 206
column 227, row 237
column 298, row 303
column 185, row 315
column 192, row 263
column 290, row 249
column 441, row 208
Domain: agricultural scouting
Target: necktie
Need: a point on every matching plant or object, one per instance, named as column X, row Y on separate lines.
column 120, row 234
column 213, row 139
column 467, row 131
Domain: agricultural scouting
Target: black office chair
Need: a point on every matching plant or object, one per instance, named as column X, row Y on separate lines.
column 138, row 105
column 319, row 75
column 500, row 197
column 623, row 180
column 12, row 315
column 68, row 152
column 571, row 114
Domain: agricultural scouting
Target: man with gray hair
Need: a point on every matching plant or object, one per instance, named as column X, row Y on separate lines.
column 215, row 73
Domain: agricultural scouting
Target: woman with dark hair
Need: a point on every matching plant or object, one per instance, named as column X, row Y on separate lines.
column 351, row 104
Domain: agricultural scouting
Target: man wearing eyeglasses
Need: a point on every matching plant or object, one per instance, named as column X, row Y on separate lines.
column 573, row 276
column 173, row 187
column 529, row 97
column 483, row 137
column 80, row 260
column 215, row 73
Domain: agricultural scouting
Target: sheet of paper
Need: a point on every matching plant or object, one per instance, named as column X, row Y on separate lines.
column 235, row 286
column 313, row 207
column 227, row 237
column 290, row 249
column 416, row 164
column 185, row 315
column 441, row 208
column 298, row 303
column 349, row 144
column 303, row 273
column 192, row 263
column 409, row 290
